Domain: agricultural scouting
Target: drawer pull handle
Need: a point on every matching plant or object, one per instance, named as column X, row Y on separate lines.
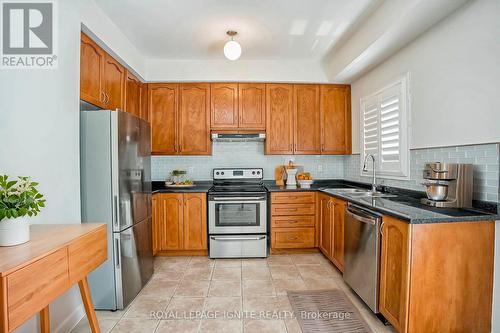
column 293, row 221
column 293, row 238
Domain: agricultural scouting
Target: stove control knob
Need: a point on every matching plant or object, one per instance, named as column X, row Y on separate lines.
column 253, row 172
column 217, row 173
column 222, row 173
column 258, row 172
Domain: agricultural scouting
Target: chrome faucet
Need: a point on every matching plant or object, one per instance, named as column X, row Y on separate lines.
column 365, row 168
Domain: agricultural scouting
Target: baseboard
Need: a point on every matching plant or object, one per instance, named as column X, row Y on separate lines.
column 172, row 253
column 293, row 251
column 71, row 321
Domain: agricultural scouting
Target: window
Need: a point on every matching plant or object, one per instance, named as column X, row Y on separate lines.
column 385, row 130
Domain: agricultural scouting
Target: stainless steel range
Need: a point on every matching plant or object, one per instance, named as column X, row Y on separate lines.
column 237, row 214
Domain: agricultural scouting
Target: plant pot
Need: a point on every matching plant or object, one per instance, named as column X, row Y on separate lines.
column 14, row 231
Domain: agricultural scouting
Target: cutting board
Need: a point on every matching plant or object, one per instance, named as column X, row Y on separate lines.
column 279, row 175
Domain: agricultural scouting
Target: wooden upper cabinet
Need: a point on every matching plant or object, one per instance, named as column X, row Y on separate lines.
column 194, row 119
column 223, row 105
column 335, row 119
column 114, row 83
column 279, row 119
column 132, row 94
column 252, row 106
column 144, row 110
column 395, row 272
column 163, row 101
column 306, row 119
column 172, row 217
column 195, row 221
column 92, row 59
column 325, row 225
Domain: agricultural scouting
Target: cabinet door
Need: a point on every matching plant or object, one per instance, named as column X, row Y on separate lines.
column 195, row 221
column 162, row 105
column 394, row 272
column 114, row 83
column 194, row 119
column 157, row 226
column 132, row 95
column 172, row 220
column 223, row 105
column 306, row 119
column 279, row 119
column 252, row 106
column 92, row 59
column 335, row 111
column 325, row 225
column 338, row 207
column 144, row 102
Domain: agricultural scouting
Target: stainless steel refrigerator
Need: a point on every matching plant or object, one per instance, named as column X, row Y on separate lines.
column 115, row 169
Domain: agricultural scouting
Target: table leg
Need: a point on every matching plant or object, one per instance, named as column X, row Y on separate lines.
column 45, row 320
column 89, row 307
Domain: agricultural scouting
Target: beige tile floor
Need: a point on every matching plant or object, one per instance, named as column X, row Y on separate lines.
column 197, row 294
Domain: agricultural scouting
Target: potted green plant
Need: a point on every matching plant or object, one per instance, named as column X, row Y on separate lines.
column 19, row 199
column 178, row 176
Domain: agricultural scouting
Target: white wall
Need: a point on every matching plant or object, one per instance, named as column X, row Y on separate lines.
column 242, row 70
column 455, row 75
column 39, row 125
column 109, row 36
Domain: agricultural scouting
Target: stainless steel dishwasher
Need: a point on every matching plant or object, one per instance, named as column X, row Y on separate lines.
column 362, row 253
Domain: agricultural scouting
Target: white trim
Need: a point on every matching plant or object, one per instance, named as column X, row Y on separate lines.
column 405, row 135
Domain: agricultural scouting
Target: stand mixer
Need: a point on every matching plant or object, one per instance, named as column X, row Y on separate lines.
column 448, row 184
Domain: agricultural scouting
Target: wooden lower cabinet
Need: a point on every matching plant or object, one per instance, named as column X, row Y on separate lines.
column 325, row 217
column 437, row 277
column 293, row 220
column 293, row 238
column 179, row 223
column 331, row 228
column 395, row 272
column 195, row 221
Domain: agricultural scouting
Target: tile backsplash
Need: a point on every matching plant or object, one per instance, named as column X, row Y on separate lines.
column 244, row 154
column 251, row 154
column 484, row 157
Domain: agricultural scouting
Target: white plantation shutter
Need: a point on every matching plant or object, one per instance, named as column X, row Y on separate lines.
column 385, row 130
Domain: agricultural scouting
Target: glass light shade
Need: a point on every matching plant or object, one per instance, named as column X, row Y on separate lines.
column 232, row 50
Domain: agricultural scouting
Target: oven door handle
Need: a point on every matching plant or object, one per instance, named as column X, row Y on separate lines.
column 236, row 238
column 237, row 198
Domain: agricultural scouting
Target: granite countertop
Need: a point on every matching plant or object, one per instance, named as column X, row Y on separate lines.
column 403, row 204
column 316, row 186
column 199, row 186
column 410, row 209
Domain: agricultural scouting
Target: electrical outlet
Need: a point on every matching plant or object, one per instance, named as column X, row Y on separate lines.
column 320, row 167
column 191, row 169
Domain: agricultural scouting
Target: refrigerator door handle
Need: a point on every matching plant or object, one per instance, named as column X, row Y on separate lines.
column 115, row 209
column 118, row 252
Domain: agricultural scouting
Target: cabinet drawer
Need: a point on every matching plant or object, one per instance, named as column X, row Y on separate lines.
column 292, row 197
column 86, row 254
column 31, row 288
column 293, row 209
column 292, row 221
column 292, row 238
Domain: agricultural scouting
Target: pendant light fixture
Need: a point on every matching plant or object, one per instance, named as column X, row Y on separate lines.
column 232, row 49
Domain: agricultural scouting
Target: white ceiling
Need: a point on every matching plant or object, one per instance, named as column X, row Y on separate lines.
column 267, row 29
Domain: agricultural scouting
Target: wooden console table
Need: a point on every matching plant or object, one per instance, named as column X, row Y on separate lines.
column 33, row 274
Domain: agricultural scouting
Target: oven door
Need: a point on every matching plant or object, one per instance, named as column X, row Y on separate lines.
column 237, row 215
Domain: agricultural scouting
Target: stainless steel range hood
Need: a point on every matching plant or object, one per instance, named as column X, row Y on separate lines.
column 238, row 137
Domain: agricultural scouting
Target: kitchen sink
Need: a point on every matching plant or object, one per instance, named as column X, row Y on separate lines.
column 358, row 193
column 371, row 194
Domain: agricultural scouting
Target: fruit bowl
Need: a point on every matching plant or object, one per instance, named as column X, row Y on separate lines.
column 305, row 183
